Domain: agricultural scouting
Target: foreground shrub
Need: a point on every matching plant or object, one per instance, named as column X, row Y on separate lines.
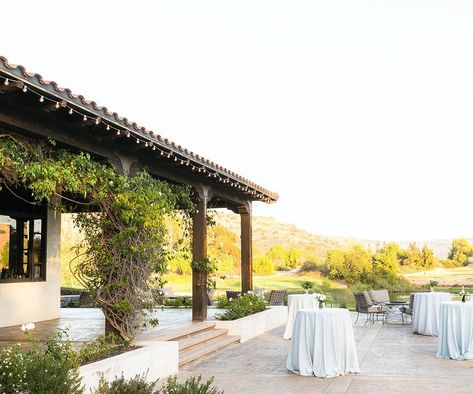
column 245, row 305
column 45, row 368
column 192, row 385
column 136, row 385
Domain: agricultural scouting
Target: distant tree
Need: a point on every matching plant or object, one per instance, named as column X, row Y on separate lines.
column 223, row 246
column 387, row 258
column 278, row 255
column 428, row 258
column 461, row 250
column 293, row 257
column 263, row 265
column 358, row 262
column 412, row 256
column 335, row 262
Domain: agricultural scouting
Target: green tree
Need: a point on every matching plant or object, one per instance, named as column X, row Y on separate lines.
column 278, row 255
column 428, row 258
column 293, row 257
column 263, row 265
column 461, row 250
column 335, row 262
column 358, row 263
column 412, row 256
column 387, row 258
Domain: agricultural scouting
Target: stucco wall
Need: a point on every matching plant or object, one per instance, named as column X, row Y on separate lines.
column 35, row 301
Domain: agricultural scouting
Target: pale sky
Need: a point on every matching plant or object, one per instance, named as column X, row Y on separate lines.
column 358, row 113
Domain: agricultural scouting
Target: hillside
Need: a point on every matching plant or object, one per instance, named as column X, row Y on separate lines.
column 268, row 232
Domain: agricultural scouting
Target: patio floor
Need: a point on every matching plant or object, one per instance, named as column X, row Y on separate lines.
column 86, row 324
column 392, row 360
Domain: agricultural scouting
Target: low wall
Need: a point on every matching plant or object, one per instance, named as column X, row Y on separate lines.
column 254, row 325
column 157, row 361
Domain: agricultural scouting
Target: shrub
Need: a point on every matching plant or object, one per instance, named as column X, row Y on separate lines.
column 245, row 305
column 102, row 347
column 178, row 301
column 46, row 368
column 310, row 266
column 222, row 302
column 136, row 385
column 192, row 385
column 447, row 263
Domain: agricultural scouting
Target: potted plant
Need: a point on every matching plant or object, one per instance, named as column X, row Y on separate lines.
column 307, row 285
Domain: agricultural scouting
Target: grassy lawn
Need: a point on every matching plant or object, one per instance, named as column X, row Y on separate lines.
column 445, row 276
column 183, row 284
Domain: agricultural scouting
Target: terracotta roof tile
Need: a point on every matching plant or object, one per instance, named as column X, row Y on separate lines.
column 102, row 112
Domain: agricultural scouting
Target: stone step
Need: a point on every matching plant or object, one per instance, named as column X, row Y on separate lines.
column 205, row 348
column 176, row 334
column 201, row 337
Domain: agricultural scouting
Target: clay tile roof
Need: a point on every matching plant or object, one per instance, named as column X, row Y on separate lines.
column 19, row 72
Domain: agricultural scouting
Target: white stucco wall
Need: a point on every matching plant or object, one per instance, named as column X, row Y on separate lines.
column 35, row 301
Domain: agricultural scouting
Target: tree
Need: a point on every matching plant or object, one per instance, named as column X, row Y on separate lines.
column 428, row 259
column 461, row 250
column 358, row 262
column 412, row 256
column 122, row 219
column 335, row 262
column 263, row 265
column 387, row 258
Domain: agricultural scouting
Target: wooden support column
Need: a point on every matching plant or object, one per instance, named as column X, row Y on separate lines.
column 246, row 248
column 199, row 253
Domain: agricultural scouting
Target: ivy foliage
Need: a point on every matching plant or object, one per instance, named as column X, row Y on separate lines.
column 122, row 218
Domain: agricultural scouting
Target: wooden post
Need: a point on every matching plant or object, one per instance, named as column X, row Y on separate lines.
column 246, row 248
column 199, row 253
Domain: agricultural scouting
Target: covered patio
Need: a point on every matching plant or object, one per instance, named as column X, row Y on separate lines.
column 39, row 109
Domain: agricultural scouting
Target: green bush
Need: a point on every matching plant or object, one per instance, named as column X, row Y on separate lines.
column 178, row 301
column 447, row 263
column 50, row 367
column 136, row 385
column 192, row 385
column 222, row 302
column 245, row 305
column 102, row 347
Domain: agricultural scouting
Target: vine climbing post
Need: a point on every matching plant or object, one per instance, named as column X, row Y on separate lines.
column 199, row 254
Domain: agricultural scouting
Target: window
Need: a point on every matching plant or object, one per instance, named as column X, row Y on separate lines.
column 22, row 248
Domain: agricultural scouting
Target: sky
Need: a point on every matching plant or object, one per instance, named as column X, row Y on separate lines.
column 358, row 113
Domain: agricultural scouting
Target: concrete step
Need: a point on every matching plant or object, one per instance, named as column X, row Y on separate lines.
column 176, row 334
column 201, row 337
column 205, row 348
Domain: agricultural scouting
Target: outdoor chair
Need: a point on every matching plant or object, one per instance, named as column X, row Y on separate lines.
column 408, row 310
column 276, row 297
column 232, row 294
column 366, row 306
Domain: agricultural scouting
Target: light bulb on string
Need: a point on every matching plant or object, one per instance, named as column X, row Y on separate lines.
column 71, row 111
column 7, row 82
column 41, row 99
column 84, row 118
column 118, row 132
column 108, row 127
column 57, row 105
column 25, row 89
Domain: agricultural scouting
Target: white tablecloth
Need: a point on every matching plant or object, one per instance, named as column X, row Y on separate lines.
column 425, row 319
column 294, row 303
column 322, row 343
column 456, row 330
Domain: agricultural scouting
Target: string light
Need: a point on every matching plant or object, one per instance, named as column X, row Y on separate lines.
column 57, row 104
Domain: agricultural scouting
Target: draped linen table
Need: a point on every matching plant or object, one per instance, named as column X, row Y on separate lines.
column 294, row 303
column 425, row 319
column 322, row 343
column 456, row 330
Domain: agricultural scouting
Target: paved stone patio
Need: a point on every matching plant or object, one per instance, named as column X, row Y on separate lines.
column 392, row 360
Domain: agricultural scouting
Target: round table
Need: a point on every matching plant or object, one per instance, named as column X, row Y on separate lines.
column 455, row 330
column 294, row 303
column 322, row 343
column 425, row 318
column 393, row 312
